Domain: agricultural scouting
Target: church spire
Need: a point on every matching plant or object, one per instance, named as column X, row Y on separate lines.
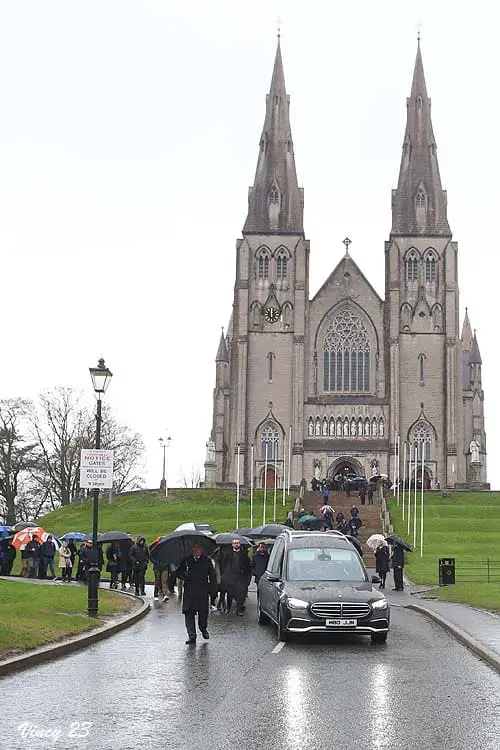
column 475, row 356
column 419, row 202
column 275, row 202
column 466, row 333
column 222, row 353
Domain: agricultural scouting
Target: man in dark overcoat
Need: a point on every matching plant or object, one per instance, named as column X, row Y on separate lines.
column 398, row 563
column 200, row 583
column 235, row 577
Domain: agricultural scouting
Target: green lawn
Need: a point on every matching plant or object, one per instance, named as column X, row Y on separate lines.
column 150, row 514
column 465, row 526
column 33, row 615
column 482, row 595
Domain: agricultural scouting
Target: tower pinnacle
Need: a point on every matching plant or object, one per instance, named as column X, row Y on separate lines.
column 275, row 202
column 419, row 202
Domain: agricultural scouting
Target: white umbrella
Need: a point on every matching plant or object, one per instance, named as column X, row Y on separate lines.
column 374, row 540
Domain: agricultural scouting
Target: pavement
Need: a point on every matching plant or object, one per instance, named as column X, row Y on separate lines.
column 243, row 688
column 477, row 629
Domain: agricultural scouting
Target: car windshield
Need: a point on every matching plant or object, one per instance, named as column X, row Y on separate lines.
column 324, row 564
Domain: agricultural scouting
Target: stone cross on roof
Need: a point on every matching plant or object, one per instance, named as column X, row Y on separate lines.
column 347, row 242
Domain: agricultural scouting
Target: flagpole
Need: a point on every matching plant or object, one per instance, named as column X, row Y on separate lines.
column 394, row 473
column 422, row 507
column 251, row 487
column 284, row 468
column 404, row 478
column 415, row 499
column 238, row 490
column 265, row 485
column 289, row 456
column 398, row 462
column 409, row 488
column 275, row 480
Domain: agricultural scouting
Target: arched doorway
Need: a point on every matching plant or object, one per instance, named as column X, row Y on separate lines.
column 269, row 479
column 427, row 478
column 344, row 465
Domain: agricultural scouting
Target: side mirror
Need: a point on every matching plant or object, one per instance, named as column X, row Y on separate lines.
column 375, row 579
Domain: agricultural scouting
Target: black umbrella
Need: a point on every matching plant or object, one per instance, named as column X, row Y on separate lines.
column 227, row 538
column 356, row 543
column 269, row 529
column 114, row 536
column 90, row 538
column 396, row 541
column 24, row 525
column 244, row 531
column 177, row 546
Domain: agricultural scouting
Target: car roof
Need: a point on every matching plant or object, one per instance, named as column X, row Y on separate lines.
column 319, row 539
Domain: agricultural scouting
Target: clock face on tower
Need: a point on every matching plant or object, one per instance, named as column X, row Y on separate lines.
column 271, row 314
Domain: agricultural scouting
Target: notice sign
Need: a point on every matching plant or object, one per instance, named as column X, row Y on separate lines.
column 96, row 469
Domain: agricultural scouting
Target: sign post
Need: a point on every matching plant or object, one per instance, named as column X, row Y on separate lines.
column 96, row 469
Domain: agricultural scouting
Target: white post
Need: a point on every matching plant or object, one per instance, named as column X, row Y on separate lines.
column 398, row 462
column 394, row 472
column 422, row 506
column 265, row 485
column 404, row 477
column 415, row 499
column 275, row 480
column 238, row 490
column 289, row 456
column 251, row 486
column 284, row 469
column 409, row 488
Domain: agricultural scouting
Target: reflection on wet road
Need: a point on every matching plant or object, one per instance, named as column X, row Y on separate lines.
column 144, row 688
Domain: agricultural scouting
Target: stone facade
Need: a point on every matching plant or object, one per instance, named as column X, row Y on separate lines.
column 318, row 386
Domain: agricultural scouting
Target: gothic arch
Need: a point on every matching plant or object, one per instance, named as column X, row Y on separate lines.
column 262, row 264
column 437, row 317
column 348, row 341
column 405, row 316
column 412, row 259
column 431, row 265
column 334, row 467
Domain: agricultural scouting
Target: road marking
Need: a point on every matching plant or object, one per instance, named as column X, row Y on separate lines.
column 278, row 647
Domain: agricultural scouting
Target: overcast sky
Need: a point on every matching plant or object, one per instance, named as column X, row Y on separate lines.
column 129, row 135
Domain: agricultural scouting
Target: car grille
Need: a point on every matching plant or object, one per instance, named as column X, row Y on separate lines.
column 339, row 610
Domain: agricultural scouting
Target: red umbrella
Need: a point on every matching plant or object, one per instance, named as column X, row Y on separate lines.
column 22, row 538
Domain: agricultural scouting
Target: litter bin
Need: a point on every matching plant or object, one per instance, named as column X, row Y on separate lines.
column 446, row 570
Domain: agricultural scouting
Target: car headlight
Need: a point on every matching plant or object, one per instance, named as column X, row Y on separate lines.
column 380, row 604
column 297, row 603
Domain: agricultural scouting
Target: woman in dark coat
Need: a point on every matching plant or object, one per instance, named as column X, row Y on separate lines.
column 398, row 563
column 382, row 562
column 200, row 582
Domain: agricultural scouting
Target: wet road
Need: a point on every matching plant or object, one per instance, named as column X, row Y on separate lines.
column 145, row 689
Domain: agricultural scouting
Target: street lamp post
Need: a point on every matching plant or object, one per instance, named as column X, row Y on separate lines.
column 101, row 376
column 164, row 444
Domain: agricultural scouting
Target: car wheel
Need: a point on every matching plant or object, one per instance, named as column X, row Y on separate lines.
column 262, row 618
column 283, row 635
column 379, row 637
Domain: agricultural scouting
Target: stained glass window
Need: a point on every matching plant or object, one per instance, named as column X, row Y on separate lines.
column 430, row 268
column 281, row 265
column 270, row 441
column 412, row 268
column 422, row 439
column 346, row 355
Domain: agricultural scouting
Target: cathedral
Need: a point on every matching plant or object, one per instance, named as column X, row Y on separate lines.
column 347, row 382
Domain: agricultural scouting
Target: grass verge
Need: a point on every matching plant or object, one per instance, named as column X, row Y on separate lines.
column 464, row 526
column 33, row 615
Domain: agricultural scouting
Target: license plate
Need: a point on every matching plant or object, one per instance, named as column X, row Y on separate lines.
column 341, row 623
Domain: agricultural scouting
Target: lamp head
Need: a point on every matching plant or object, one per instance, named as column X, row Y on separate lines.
column 101, row 375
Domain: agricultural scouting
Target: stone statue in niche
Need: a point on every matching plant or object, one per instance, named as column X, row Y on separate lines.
column 210, row 451
column 474, row 451
column 317, row 470
column 374, row 467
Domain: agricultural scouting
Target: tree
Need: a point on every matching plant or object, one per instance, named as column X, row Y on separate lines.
column 128, row 451
column 17, row 454
column 193, row 478
column 61, row 428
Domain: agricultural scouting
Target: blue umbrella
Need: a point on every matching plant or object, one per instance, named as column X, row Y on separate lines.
column 6, row 530
column 75, row 536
